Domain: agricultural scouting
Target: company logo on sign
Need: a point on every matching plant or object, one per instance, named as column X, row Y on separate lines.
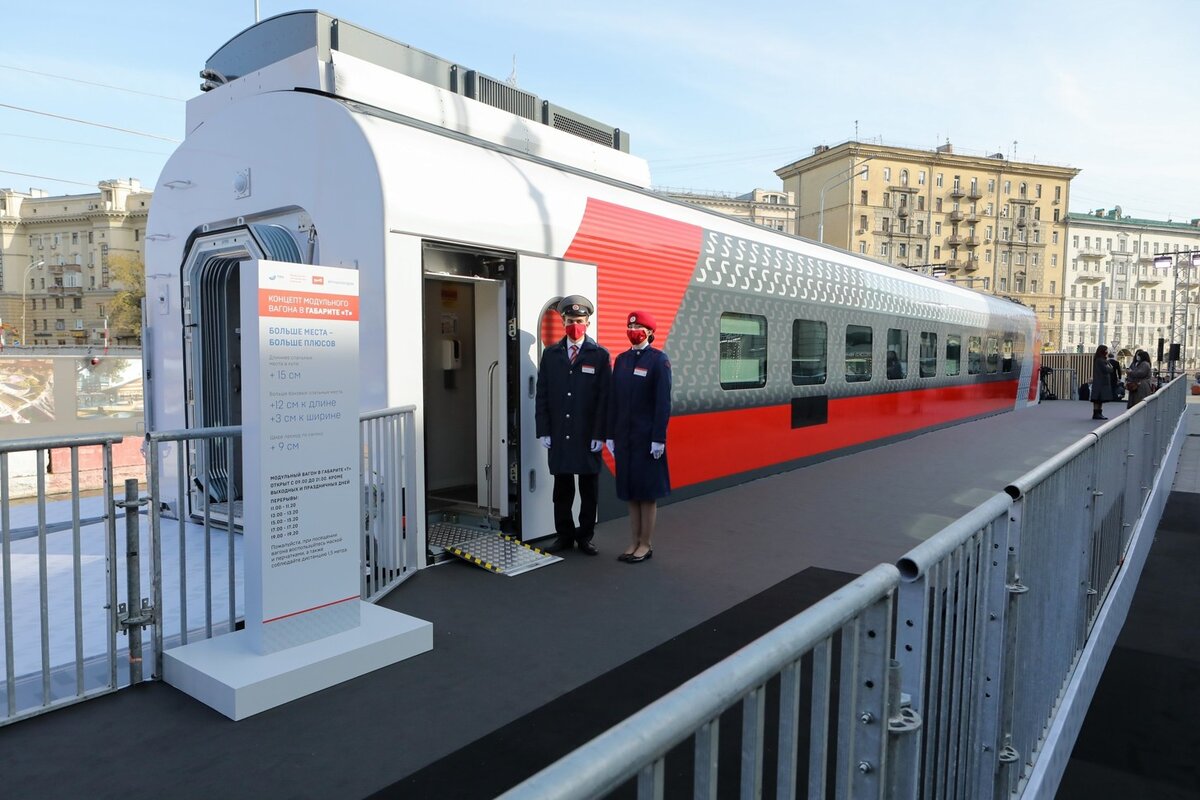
column 318, row 280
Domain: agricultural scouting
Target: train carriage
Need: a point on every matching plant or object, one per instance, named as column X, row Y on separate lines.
column 468, row 208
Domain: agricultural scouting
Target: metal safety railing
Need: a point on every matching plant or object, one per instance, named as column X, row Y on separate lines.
column 839, row 644
column 961, row 671
column 56, row 616
column 390, row 535
column 192, row 564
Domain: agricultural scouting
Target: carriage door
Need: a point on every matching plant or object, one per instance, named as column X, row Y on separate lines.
column 541, row 283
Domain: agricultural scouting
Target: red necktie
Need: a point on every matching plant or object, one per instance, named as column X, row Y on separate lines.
column 574, row 352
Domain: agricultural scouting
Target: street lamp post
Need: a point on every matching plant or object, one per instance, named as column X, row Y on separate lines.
column 36, row 264
column 829, row 184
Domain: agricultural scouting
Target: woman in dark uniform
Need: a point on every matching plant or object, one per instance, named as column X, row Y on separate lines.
column 638, row 411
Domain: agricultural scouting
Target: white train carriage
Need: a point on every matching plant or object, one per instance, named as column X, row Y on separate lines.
column 469, row 207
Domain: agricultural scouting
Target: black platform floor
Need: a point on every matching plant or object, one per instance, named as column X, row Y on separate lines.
column 506, row 647
column 1141, row 738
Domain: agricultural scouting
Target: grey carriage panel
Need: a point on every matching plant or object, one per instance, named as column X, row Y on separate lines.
column 737, row 275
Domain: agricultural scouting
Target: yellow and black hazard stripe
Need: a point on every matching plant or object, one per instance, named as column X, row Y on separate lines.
column 474, row 559
column 515, row 540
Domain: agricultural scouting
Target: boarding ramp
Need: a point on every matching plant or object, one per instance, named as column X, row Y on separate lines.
column 964, row 671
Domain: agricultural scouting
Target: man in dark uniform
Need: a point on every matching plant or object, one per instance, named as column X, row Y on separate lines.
column 572, row 398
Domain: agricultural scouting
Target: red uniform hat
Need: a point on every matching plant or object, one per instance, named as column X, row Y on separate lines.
column 642, row 318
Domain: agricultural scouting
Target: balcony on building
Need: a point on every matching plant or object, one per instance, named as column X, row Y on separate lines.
column 957, row 192
column 971, row 218
column 974, row 193
column 955, row 240
column 1091, row 251
column 966, row 263
column 1151, row 279
column 1025, row 201
column 971, row 241
column 66, row 280
column 956, row 216
column 897, row 187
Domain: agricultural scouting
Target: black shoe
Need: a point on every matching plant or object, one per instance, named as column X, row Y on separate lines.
column 1099, row 416
column 624, row 556
column 588, row 548
column 558, row 546
column 638, row 559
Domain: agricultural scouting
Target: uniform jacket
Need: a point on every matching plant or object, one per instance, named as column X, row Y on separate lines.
column 571, row 403
column 638, row 412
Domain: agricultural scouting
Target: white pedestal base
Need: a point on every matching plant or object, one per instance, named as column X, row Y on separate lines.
column 228, row 675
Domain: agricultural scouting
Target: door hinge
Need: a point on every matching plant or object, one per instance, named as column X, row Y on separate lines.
column 512, row 328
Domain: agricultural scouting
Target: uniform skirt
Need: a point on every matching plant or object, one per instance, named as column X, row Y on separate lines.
column 641, row 476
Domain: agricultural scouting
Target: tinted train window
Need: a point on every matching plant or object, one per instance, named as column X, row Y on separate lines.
column 929, row 355
column 858, row 353
column 974, row 355
column 953, row 354
column 743, row 351
column 993, row 355
column 897, row 354
column 1006, row 362
column 808, row 352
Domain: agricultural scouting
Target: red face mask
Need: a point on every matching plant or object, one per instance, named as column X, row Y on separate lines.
column 636, row 335
column 576, row 330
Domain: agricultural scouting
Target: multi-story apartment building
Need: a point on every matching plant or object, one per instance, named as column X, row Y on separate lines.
column 986, row 222
column 56, row 254
column 771, row 208
column 1126, row 278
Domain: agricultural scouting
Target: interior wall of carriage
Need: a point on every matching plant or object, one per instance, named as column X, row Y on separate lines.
column 467, row 363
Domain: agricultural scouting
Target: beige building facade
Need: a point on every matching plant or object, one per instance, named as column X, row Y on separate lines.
column 985, row 222
column 771, row 208
column 56, row 258
column 1127, row 279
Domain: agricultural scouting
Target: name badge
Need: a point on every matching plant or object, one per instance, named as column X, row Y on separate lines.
column 640, row 371
column 588, row 369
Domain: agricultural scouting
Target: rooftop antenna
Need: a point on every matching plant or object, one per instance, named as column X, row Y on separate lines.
column 512, row 76
column 856, row 130
column 255, row 12
column 1014, row 155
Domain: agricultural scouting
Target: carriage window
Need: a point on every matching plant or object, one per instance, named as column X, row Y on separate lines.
column 743, row 351
column 808, row 352
column 953, row 354
column 993, row 355
column 897, row 354
column 928, row 355
column 858, row 353
column 974, row 355
column 1006, row 363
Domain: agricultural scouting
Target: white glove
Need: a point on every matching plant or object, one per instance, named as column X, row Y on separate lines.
column 546, row 442
column 612, row 448
column 597, row 445
column 657, row 449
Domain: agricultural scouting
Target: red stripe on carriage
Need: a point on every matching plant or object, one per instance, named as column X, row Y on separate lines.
column 643, row 261
column 705, row 447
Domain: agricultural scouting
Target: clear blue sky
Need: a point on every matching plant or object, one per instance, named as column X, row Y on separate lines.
column 716, row 95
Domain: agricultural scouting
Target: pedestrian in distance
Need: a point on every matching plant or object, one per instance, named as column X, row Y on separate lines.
column 638, row 412
column 571, row 400
column 1101, row 382
column 1115, row 378
column 1137, row 378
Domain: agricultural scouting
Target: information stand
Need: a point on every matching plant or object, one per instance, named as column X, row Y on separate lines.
column 306, row 628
